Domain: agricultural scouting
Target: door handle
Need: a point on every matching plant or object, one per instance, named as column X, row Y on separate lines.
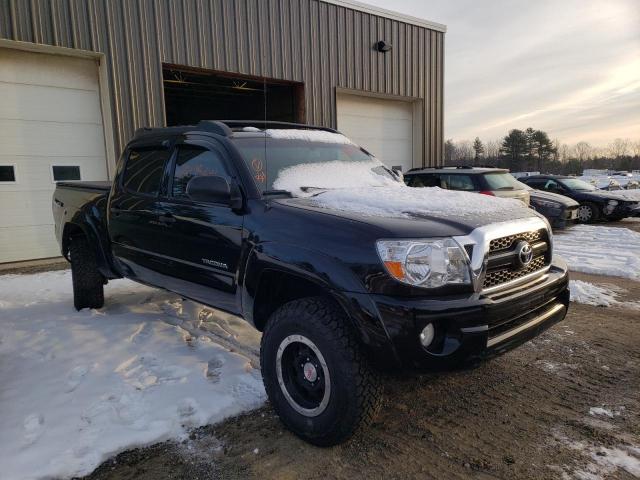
column 167, row 218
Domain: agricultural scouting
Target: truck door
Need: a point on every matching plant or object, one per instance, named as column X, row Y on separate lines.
column 201, row 242
column 132, row 210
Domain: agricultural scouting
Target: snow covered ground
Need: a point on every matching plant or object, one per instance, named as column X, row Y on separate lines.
column 79, row 387
column 598, row 295
column 600, row 250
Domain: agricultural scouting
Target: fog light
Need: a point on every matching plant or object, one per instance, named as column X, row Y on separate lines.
column 427, row 334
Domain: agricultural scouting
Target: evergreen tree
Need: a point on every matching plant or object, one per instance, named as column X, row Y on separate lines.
column 478, row 149
column 514, row 149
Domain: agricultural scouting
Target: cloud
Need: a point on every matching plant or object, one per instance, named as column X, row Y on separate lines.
column 571, row 68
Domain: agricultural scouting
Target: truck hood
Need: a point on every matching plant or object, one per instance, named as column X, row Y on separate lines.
column 414, row 212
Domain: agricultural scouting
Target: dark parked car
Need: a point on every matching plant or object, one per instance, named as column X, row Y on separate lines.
column 595, row 204
column 561, row 211
column 497, row 182
column 338, row 294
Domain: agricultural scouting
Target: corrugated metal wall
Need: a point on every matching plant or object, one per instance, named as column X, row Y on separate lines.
column 323, row 45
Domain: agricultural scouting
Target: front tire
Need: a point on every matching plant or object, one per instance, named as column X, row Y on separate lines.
column 588, row 213
column 315, row 373
column 88, row 282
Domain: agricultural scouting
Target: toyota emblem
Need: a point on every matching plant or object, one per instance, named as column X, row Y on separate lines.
column 524, row 253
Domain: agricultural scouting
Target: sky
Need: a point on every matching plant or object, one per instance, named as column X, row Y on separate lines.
column 568, row 67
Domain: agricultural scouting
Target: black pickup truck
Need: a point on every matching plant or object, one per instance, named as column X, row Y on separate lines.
column 339, row 294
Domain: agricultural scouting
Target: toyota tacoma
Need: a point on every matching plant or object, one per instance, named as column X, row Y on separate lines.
column 345, row 270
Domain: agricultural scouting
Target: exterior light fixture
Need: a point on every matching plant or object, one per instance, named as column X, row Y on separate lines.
column 383, row 46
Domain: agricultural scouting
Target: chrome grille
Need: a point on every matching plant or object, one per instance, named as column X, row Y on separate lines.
column 504, row 243
column 498, row 277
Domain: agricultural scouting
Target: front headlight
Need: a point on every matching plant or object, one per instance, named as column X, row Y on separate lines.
column 425, row 263
column 613, row 203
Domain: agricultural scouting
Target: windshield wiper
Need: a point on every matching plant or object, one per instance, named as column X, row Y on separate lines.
column 276, row 192
column 312, row 189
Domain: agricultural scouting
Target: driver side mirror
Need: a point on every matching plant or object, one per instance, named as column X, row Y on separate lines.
column 214, row 189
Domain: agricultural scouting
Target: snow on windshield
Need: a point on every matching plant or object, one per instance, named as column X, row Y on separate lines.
column 321, row 136
column 356, row 187
column 333, row 174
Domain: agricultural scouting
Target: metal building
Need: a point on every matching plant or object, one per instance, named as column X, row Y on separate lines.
column 77, row 77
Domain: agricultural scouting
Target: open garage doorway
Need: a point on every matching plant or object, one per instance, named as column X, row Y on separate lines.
column 193, row 95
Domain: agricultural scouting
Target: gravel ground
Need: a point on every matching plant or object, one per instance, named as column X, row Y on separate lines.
column 566, row 403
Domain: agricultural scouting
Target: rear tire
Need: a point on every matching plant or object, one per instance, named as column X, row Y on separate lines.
column 315, row 373
column 88, row 282
column 588, row 213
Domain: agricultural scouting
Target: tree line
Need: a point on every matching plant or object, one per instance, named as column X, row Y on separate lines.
column 533, row 150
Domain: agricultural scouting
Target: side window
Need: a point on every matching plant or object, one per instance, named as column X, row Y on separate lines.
column 552, row 186
column 192, row 162
column 425, row 181
column 537, row 184
column 457, row 182
column 143, row 170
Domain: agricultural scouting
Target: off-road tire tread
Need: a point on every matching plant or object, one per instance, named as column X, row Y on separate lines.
column 88, row 282
column 368, row 381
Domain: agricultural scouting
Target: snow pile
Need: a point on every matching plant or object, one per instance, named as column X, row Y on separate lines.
column 357, row 187
column 600, row 250
column 407, row 202
column 598, row 295
column 606, row 412
column 320, row 136
column 79, row 387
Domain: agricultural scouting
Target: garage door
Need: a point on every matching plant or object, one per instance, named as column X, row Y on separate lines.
column 383, row 127
column 50, row 129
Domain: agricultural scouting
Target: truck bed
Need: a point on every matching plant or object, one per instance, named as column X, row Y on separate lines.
column 93, row 186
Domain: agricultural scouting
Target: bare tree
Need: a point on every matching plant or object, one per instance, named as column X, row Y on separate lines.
column 619, row 147
column 493, row 149
column 583, row 151
column 635, row 148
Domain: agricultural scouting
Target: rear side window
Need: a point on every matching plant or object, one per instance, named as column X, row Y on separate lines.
column 424, row 181
column 196, row 162
column 538, row 184
column 143, row 170
column 501, row 181
column 457, row 182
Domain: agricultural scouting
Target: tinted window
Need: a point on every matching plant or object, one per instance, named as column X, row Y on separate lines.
column 456, row 182
column 539, row 184
column 424, row 181
column 143, row 170
column 7, row 173
column 195, row 162
column 575, row 184
column 267, row 157
column 64, row 172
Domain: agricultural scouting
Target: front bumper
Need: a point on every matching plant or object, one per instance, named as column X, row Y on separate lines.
column 623, row 210
column 472, row 326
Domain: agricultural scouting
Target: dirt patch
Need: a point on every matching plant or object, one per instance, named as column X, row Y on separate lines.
column 565, row 403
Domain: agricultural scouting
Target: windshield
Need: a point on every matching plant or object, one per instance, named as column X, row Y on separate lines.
column 304, row 166
column 575, row 184
column 502, row 181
